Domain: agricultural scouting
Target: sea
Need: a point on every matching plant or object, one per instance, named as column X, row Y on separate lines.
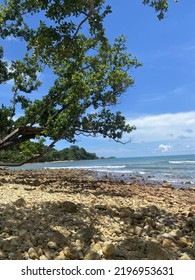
column 179, row 170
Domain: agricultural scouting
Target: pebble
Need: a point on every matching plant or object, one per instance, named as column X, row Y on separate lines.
column 60, row 256
column 92, row 255
column 20, row 202
column 168, row 243
column 137, row 230
column 62, row 215
column 33, row 254
column 176, row 233
column 97, row 247
column 52, row 245
column 68, row 253
column 138, row 215
column 3, row 255
column 109, row 250
column 167, row 186
column 184, row 257
column 183, row 242
column 192, row 208
column 69, row 207
column 156, row 252
column 43, row 258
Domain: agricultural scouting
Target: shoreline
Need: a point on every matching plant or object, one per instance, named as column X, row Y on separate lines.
column 177, row 170
column 71, row 214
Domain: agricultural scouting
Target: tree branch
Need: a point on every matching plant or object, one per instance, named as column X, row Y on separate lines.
column 91, row 2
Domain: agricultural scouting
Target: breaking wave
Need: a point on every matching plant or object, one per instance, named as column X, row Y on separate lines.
column 182, row 162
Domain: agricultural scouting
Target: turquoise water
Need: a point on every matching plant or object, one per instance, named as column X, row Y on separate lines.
column 178, row 170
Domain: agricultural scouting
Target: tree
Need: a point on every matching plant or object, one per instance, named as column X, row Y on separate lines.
column 91, row 73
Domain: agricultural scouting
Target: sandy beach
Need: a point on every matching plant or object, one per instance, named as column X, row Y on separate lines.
column 66, row 214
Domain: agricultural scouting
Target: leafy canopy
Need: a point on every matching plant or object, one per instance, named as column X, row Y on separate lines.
column 91, row 74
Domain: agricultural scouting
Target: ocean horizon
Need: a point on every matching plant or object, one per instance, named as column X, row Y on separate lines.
column 179, row 170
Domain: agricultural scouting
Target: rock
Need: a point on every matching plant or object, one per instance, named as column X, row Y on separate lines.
column 191, row 223
column 97, row 247
column 86, row 234
column 69, row 207
column 33, row 254
column 191, row 214
column 23, row 233
column 149, row 222
column 52, row 245
column 25, row 256
column 184, row 257
column 3, row 255
column 8, row 247
column 192, row 208
column 39, row 251
column 147, row 229
column 92, row 255
column 125, row 213
column 36, row 182
column 20, row 202
column 168, row 222
column 138, row 215
column 183, row 242
column 168, row 186
column 109, row 250
column 68, row 253
column 15, row 255
column 164, row 235
column 188, row 183
column 4, row 235
column 153, row 209
column 43, row 258
column 101, row 207
column 135, row 255
column 48, row 253
column 155, row 252
column 60, row 256
column 137, row 230
column 176, row 233
column 168, row 243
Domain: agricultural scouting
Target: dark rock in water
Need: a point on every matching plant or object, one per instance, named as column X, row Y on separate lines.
column 168, row 186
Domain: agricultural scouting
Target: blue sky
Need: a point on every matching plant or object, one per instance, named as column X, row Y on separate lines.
column 162, row 101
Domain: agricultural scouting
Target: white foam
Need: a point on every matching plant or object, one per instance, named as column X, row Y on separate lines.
column 99, row 167
column 182, row 162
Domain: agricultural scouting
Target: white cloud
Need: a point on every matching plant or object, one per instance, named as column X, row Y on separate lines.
column 164, row 148
column 11, row 38
column 164, row 127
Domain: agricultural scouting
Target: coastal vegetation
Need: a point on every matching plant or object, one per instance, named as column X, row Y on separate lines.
column 72, row 153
